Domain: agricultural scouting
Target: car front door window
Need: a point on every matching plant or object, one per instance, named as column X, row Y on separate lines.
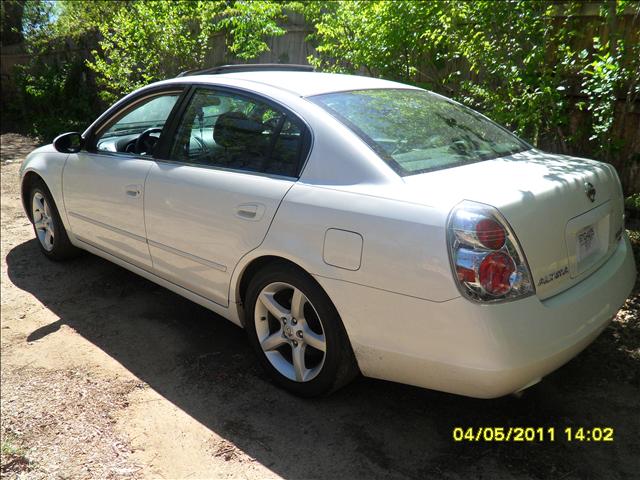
column 138, row 129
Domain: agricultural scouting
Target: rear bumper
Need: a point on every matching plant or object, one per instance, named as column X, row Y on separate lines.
column 483, row 351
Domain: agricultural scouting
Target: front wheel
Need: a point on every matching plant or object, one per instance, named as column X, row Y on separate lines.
column 47, row 225
column 297, row 332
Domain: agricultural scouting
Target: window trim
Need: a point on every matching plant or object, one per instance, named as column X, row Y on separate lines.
column 164, row 147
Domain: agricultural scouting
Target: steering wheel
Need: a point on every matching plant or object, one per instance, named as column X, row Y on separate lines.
column 400, row 146
column 273, row 122
column 145, row 142
column 461, row 146
column 204, row 149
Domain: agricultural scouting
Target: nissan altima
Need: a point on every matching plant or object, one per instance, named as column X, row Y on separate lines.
column 348, row 224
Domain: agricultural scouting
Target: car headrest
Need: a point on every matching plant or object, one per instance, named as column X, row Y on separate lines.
column 235, row 128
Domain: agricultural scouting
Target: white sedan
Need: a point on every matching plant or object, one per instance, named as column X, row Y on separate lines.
column 349, row 224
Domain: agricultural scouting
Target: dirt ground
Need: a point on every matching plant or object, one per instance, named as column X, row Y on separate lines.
column 106, row 375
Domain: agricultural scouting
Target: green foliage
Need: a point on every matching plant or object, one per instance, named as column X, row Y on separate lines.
column 520, row 62
column 149, row 41
column 601, row 77
column 389, row 39
column 516, row 77
column 493, row 58
column 132, row 43
column 78, row 19
column 8, row 447
column 248, row 24
column 542, row 69
column 11, row 15
column 632, row 202
column 56, row 98
column 55, row 89
column 612, row 68
column 153, row 40
column 13, row 458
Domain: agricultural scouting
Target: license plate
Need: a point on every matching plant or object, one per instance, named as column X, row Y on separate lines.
column 586, row 243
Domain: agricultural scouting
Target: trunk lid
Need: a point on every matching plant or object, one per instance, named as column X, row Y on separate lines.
column 566, row 212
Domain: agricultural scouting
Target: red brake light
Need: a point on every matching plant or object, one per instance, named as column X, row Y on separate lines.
column 465, row 274
column 490, row 233
column 486, row 258
column 494, row 273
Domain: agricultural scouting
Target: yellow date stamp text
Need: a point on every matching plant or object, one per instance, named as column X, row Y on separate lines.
column 533, row 434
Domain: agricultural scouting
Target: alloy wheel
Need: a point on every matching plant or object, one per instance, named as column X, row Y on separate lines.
column 290, row 332
column 43, row 221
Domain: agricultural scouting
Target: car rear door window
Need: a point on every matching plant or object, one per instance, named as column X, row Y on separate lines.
column 227, row 130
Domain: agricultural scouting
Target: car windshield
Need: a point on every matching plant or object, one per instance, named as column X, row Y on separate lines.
column 416, row 131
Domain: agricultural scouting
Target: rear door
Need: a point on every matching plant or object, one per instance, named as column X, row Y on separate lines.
column 104, row 186
column 230, row 163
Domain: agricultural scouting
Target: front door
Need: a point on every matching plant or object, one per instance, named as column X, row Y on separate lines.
column 103, row 187
column 231, row 163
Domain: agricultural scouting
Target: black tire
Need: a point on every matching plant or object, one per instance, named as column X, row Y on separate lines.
column 339, row 366
column 60, row 246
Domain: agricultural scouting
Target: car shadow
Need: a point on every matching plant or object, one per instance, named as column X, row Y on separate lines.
column 203, row 365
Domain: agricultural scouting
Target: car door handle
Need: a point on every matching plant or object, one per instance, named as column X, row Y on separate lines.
column 250, row 211
column 133, row 190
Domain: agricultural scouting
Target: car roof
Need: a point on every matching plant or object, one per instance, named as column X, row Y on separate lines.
column 303, row 84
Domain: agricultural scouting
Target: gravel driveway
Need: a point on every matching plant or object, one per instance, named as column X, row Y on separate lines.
column 106, row 375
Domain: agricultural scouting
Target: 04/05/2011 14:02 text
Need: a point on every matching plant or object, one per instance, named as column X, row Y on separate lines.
column 533, row 434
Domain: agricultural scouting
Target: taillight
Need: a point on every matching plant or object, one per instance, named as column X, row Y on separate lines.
column 490, row 233
column 486, row 257
column 495, row 273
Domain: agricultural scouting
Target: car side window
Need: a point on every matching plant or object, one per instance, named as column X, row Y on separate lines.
column 139, row 129
column 231, row 131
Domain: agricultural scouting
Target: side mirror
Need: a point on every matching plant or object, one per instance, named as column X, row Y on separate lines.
column 71, row 142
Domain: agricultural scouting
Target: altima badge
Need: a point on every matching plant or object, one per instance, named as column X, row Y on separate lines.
column 590, row 190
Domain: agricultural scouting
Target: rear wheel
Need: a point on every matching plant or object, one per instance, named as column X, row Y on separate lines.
column 297, row 332
column 47, row 225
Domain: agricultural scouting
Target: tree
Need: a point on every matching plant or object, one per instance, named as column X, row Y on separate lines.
column 153, row 40
column 521, row 62
column 11, row 14
column 131, row 44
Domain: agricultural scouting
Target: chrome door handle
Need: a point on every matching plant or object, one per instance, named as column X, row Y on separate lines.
column 250, row 211
column 133, row 190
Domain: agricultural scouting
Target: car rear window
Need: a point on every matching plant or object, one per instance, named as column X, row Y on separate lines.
column 416, row 131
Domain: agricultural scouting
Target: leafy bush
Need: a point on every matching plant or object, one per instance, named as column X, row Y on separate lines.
column 56, row 98
column 85, row 55
column 632, row 202
column 539, row 68
column 522, row 63
column 56, row 90
column 156, row 39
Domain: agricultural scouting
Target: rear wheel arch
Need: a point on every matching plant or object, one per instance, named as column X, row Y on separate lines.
column 260, row 263
column 254, row 266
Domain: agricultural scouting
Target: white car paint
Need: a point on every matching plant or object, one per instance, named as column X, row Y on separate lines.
column 376, row 242
column 201, row 222
column 103, row 198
